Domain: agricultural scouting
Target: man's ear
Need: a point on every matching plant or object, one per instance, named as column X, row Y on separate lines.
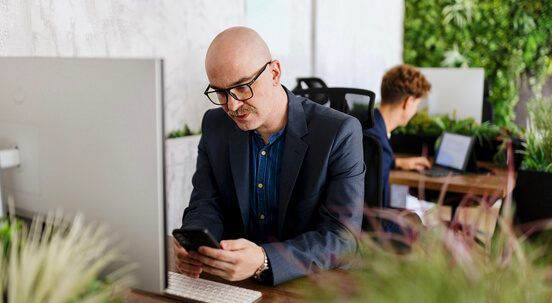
column 275, row 72
column 408, row 102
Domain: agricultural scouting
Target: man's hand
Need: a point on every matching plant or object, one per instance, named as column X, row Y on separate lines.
column 237, row 260
column 184, row 263
column 415, row 163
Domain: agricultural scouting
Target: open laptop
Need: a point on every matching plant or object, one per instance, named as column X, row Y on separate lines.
column 452, row 156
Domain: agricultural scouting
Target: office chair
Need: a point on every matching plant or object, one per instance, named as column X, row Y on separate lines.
column 373, row 184
column 341, row 97
column 312, row 82
column 373, row 197
column 373, row 200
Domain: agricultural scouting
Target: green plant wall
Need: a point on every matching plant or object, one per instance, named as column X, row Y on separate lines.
column 510, row 39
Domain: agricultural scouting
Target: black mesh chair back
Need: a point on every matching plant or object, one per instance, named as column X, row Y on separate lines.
column 342, row 99
column 312, row 82
column 373, row 159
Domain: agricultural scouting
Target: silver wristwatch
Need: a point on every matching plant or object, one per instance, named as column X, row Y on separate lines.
column 262, row 269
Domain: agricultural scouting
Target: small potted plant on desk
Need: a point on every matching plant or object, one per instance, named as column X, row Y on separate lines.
column 533, row 190
column 420, row 133
column 423, row 130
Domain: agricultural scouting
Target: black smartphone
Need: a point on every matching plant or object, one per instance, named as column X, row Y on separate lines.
column 193, row 238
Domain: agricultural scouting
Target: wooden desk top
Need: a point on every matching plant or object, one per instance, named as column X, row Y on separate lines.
column 292, row 291
column 494, row 183
column 286, row 292
column 281, row 294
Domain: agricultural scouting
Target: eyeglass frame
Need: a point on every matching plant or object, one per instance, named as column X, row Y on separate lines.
column 227, row 90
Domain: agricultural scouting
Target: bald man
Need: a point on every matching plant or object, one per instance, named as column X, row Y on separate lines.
column 279, row 179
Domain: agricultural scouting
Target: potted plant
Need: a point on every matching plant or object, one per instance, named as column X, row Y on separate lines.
column 423, row 130
column 533, row 191
column 56, row 260
column 419, row 135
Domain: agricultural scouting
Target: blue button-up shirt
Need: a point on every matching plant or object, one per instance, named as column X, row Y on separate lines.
column 266, row 165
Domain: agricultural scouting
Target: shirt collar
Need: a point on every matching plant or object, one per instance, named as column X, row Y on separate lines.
column 272, row 137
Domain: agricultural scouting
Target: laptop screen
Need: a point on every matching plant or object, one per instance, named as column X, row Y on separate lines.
column 454, row 151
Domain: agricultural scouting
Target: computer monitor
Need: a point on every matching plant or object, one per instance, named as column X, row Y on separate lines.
column 454, row 151
column 90, row 136
column 457, row 90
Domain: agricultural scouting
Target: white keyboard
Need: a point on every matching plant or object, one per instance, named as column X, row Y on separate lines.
column 208, row 291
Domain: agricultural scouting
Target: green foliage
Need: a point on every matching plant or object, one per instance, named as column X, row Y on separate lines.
column 538, row 153
column 424, row 124
column 56, row 261
column 185, row 131
column 359, row 107
column 510, row 39
column 442, row 265
column 7, row 228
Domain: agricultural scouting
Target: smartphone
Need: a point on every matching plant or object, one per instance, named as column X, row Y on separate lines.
column 193, row 238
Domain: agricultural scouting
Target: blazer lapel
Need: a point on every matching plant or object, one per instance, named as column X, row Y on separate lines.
column 239, row 163
column 294, row 153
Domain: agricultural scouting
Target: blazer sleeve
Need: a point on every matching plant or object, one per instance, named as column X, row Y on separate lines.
column 204, row 209
column 340, row 214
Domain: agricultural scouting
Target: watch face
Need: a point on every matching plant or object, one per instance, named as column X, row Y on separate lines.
column 265, row 274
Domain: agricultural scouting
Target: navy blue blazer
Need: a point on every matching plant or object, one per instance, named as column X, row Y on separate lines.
column 321, row 187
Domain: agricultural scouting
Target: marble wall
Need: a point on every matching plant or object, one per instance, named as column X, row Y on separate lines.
column 175, row 30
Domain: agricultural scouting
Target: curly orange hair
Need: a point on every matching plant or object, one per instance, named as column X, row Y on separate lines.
column 401, row 82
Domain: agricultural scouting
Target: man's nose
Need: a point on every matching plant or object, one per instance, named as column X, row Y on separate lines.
column 233, row 104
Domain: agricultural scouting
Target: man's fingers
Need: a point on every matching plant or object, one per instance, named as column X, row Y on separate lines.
column 190, row 260
column 234, row 244
column 218, row 254
column 188, row 268
column 425, row 162
column 212, row 261
column 216, row 272
column 192, row 274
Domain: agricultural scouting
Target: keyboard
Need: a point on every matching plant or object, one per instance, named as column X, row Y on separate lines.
column 208, row 291
column 437, row 171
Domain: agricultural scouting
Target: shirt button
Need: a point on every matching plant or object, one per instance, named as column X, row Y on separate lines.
column 260, row 185
column 263, row 153
column 262, row 216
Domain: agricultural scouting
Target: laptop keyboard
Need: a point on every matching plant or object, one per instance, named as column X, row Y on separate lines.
column 437, row 171
column 208, row 291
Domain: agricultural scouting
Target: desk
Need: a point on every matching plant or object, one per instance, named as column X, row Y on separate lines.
column 286, row 292
column 282, row 293
column 493, row 184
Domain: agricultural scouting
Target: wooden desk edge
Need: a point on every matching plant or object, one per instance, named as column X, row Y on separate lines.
column 459, row 183
column 285, row 292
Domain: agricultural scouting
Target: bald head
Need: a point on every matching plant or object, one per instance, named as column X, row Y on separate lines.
column 246, row 81
column 235, row 50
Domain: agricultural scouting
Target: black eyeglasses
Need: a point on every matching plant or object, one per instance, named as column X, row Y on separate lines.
column 240, row 92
